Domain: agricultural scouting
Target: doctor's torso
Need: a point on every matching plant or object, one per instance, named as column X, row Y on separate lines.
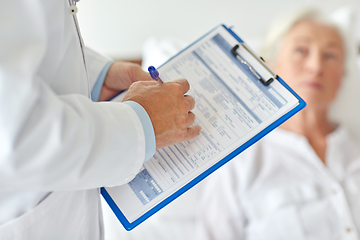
column 58, row 60
column 62, row 63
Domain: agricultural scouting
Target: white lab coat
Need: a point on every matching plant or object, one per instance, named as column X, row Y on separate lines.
column 57, row 147
column 279, row 189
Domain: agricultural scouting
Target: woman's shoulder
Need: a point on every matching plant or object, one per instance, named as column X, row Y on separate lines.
column 344, row 140
column 243, row 165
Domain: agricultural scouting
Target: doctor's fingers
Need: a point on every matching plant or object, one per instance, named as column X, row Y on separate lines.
column 190, row 101
column 142, row 76
column 150, row 82
column 134, row 72
column 190, row 119
column 183, row 85
column 186, row 127
column 185, row 122
column 192, row 132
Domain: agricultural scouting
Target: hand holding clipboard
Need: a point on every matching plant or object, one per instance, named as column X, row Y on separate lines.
column 239, row 99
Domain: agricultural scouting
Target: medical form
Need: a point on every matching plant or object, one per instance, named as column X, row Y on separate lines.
column 232, row 107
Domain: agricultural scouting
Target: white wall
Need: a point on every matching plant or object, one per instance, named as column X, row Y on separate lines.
column 119, row 27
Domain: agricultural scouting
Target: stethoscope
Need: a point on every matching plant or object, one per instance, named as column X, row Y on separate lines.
column 73, row 9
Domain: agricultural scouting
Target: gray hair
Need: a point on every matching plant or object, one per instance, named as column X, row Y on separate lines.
column 280, row 28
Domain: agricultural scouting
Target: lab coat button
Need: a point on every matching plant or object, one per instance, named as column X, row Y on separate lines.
column 130, row 177
column 73, row 10
column 348, row 230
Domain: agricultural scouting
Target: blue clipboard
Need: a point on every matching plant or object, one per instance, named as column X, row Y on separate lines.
column 248, row 69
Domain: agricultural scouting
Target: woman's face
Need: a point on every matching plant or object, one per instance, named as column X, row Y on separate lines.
column 311, row 61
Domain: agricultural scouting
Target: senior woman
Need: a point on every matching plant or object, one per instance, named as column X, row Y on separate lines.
column 302, row 181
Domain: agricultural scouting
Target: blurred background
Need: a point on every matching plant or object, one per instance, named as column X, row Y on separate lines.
column 149, row 32
column 119, row 28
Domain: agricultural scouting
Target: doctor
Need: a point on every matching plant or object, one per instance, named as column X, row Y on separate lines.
column 57, row 147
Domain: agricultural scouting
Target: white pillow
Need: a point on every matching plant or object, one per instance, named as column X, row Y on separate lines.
column 346, row 107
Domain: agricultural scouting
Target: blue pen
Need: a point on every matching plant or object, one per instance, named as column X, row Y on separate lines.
column 154, row 74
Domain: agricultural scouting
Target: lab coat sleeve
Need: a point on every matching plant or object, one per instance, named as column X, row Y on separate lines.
column 95, row 64
column 96, row 90
column 219, row 212
column 56, row 142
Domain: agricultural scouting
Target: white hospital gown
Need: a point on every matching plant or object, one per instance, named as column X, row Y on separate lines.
column 280, row 189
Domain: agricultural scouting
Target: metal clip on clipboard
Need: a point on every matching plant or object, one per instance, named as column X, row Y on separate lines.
column 263, row 72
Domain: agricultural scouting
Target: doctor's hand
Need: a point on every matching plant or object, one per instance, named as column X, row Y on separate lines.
column 119, row 77
column 168, row 108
